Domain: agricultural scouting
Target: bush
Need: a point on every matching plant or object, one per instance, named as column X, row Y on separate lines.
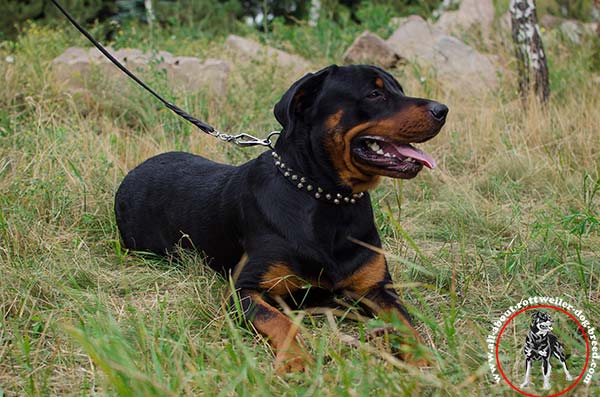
column 16, row 12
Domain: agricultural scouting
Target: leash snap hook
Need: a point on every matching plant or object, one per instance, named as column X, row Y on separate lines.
column 246, row 140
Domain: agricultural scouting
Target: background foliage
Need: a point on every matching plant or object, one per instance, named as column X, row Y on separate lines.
column 224, row 16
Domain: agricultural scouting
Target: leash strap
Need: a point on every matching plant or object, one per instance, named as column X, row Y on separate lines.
column 240, row 139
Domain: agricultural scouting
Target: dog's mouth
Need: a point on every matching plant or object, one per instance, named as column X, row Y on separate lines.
column 396, row 160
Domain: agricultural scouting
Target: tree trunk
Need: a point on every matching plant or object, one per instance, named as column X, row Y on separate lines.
column 529, row 49
column 149, row 12
column 596, row 15
column 314, row 12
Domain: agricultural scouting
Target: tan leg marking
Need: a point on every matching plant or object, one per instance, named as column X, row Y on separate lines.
column 280, row 280
column 284, row 337
column 367, row 276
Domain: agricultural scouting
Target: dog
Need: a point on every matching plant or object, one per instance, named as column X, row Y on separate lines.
column 297, row 212
column 540, row 345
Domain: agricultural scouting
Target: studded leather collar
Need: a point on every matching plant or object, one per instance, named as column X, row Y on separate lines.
column 302, row 183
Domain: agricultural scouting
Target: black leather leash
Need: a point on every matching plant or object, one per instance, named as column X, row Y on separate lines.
column 242, row 139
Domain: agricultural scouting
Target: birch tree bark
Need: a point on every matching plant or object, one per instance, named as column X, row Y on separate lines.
column 315, row 11
column 531, row 58
column 596, row 15
column 149, row 12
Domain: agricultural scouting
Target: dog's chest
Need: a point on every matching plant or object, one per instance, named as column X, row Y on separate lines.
column 335, row 246
column 539, row 346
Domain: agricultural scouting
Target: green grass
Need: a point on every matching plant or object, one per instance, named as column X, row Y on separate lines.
column 512, row 211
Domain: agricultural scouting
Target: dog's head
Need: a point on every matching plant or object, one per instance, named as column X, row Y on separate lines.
column 541, row 323
column 360, row 120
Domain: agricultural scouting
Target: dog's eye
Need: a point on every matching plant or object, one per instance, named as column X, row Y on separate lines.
column 375, row 94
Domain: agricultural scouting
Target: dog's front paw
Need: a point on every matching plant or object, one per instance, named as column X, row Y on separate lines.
column 524, row 385
column 420, row 362
column 546, row 386
column 569, row 377
column 410, row 347
column 287, row 362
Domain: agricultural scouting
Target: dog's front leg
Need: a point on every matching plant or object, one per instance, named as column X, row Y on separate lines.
column 384, row 302
column 546, row 368
column 558, row 353
column 527, row 373
column 567, row 373
column 282, row 333
column 371, row 285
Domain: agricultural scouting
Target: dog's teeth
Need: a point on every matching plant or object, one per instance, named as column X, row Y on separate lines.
column 387, row 155
column 380, row 151
column 373, row 146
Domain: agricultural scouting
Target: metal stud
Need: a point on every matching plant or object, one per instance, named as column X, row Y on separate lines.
column 337, row 198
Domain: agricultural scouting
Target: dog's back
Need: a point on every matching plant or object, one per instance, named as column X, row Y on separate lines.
column 153, row 210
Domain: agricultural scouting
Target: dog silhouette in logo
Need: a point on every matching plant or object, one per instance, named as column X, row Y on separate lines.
column 540, row 345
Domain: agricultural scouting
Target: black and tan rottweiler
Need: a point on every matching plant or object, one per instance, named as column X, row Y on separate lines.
column 297, row 211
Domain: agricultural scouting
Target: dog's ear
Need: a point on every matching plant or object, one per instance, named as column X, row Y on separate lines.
column 299, row 97
column 535, row 314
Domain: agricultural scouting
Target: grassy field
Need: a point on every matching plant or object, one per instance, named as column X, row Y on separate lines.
column 512, row 211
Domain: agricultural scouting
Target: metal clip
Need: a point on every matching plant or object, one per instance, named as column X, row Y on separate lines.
column 245, row 140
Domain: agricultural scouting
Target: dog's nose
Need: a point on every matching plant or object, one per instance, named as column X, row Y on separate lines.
column 438, row 111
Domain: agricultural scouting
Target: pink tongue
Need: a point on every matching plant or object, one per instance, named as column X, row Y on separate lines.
column 419, row 155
